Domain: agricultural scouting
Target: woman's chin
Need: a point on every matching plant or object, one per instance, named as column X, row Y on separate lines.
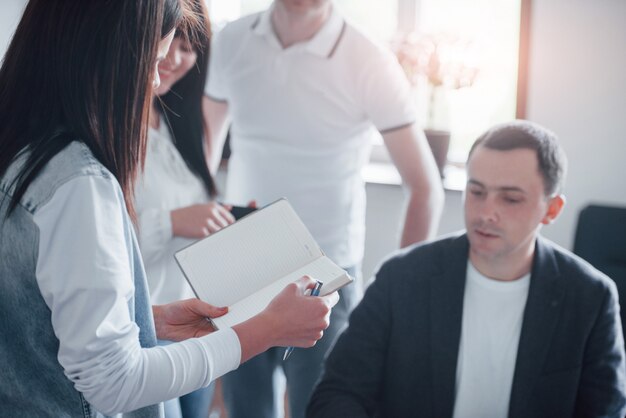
column 163, row 88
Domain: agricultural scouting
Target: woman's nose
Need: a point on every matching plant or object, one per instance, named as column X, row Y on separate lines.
column 174, row 58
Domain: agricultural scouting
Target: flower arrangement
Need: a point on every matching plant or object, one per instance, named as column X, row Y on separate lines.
column 443, row 61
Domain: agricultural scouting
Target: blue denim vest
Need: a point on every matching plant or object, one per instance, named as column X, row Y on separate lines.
column 32, row 382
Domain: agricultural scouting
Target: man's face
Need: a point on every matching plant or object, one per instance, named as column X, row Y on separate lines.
column 303, row 6
column 505, row 204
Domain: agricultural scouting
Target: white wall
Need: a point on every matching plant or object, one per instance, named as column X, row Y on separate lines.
column 385, row 211
column 577, row 87
column 10, row 13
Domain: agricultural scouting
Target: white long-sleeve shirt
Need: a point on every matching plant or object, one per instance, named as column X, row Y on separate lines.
column 84, row 275
column 166, row 184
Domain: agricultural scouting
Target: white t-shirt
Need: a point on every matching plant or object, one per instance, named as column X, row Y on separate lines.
column 84, row 275
column 303, row 118
column 493, row 313
column 166, row 184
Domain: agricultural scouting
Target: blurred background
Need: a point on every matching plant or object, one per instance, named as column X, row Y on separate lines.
column 473, row 63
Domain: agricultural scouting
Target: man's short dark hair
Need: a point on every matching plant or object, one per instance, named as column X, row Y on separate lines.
column 524, row 134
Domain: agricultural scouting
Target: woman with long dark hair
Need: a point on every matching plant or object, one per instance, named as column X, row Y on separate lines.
column 78, row 332
column 173, row 194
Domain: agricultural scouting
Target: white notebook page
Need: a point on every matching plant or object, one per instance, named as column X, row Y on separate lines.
column 248, row 255
column 321, row 269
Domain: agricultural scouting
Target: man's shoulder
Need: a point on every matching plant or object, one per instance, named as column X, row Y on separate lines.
column 575, row 270
column 359, row 36
column 72, row 161
column 427, row 258
column 239, row 27
column 356, row 42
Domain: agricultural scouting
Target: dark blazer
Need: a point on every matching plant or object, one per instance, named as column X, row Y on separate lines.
column 398, row 357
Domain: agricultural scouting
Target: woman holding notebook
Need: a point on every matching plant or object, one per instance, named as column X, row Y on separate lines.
column 75, row 88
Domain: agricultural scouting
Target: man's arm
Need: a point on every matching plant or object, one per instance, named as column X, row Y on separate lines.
column 602, row 388
column 216, row 121
column 412, row 157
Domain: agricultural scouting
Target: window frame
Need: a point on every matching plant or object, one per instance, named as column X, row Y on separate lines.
column 407, row 22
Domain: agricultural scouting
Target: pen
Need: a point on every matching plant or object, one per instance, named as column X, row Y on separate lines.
column 314, row 292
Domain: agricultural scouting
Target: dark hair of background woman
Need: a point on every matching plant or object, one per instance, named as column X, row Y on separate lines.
column 182, row 105
column 81, row 70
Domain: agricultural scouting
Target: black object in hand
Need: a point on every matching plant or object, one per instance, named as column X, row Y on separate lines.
column 240, row 211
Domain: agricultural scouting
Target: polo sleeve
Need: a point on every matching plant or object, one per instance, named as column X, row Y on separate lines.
column 215, row 86
column 387, row 97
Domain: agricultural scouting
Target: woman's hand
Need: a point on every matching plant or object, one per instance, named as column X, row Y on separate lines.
column 184, row 319
column 291, row 319
column 198, row 221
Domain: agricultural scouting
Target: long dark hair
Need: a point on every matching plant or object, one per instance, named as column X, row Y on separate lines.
column 181, row 107
column 81, row 70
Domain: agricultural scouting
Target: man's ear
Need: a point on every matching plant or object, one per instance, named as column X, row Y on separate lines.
column 555, row 206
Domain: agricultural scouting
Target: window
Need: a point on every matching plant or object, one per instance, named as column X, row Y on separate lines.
column 490, row 29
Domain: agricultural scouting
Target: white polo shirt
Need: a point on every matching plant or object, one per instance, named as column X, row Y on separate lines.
column 166, row 184
column 303, row 118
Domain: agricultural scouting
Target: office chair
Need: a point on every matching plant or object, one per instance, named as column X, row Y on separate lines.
column 601, row 240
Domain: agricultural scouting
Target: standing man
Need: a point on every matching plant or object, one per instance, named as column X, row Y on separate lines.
column 305, row 91
column 497, row 322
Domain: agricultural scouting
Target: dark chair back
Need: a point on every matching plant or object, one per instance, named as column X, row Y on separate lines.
column 601, row 240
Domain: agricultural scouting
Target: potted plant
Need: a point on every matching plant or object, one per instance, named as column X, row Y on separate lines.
column 439, row 63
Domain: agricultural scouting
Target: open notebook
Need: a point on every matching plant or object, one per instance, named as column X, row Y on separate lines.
column 246, row 264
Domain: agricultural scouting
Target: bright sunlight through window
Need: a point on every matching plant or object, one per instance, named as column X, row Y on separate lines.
column 476, row 43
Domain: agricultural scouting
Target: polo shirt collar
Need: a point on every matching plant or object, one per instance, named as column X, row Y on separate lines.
column 323, row 43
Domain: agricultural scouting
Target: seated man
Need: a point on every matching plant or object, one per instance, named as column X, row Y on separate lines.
column 496, row 322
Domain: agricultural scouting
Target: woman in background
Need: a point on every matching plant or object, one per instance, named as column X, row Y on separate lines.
column 79, row 333
column 173, row 193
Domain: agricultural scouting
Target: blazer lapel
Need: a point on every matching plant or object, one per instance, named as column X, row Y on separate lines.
column 445, row 333
column 545, row 296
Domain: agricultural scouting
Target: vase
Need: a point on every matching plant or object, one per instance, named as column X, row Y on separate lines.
column 439, row 142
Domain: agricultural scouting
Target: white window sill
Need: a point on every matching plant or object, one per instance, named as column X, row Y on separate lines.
column 386, row 173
